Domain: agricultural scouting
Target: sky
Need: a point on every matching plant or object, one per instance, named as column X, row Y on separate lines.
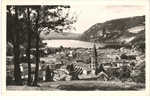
column 89, row 15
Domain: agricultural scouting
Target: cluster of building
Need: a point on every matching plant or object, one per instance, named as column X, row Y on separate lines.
column 86, row 62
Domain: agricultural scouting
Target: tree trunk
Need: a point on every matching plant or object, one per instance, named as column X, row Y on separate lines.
column 29, row 61
column 37, row 61
column 28, row 49
column 37, row 51
column 17, row 73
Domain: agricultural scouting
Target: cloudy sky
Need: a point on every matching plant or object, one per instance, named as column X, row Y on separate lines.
column 89, row 15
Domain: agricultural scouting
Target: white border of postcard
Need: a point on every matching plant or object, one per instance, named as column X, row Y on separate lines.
column 76, row 93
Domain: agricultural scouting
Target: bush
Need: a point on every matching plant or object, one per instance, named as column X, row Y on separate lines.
column 9, row 80
column 138, row 74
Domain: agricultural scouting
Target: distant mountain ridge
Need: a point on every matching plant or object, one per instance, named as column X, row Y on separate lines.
column 65, row 35
column 129, row 30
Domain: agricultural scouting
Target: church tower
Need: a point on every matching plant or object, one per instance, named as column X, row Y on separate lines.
column 94, row 63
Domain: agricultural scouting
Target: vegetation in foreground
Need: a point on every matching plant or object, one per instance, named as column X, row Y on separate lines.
column 82, row 85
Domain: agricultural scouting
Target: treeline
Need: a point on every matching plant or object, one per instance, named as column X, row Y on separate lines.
column 24, row 25
column 115, row 31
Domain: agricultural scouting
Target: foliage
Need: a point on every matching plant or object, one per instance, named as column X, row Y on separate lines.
column 114, row 31
column 138, row 74
column 26, row 23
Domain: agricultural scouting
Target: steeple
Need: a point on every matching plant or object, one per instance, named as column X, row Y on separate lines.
column 94, row 63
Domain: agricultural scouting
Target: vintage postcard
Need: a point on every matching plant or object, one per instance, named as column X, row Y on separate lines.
column 72, row 47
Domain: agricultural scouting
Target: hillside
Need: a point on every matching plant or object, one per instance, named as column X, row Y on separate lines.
column 129, row 30
column 65, row 35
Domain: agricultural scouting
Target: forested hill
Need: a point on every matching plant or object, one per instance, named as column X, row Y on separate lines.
column 127, row 30
column 65, row 35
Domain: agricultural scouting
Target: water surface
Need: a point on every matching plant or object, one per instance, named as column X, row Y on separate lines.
column 70, row 43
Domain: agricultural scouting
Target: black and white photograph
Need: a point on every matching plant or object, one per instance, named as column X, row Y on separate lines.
column 70, row 47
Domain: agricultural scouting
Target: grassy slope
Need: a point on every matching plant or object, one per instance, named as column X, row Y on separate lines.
column 82, row 86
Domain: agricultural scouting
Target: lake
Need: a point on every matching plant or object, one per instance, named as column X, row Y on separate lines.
column 70, row 43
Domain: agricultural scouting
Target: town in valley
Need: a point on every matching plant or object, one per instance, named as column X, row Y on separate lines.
column 43, row 55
